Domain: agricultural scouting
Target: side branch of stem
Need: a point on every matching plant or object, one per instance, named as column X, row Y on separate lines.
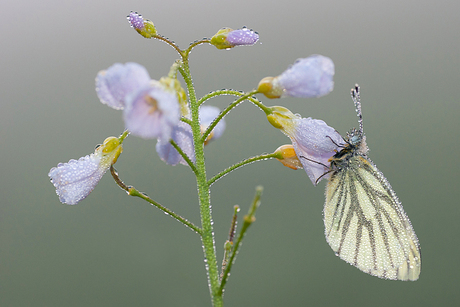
column 247, row 221
column 240, row 164
column 134, row 192
column 184, row 155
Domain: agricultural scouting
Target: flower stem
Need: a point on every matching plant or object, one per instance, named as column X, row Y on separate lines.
column 167, row 41
column 240, row 164
column 207, row 234
column 133, row 192
column 184, row 155
column 123, row 136
column 246, row 96
column 187, row 51
column 219, row 93
column 229, row 243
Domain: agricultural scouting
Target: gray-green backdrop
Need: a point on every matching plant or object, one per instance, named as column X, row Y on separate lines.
column 114, row 250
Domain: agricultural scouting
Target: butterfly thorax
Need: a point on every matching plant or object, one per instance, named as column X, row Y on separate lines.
column 355, row 144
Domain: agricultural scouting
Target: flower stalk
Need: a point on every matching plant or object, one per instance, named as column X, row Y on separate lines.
column 207, row 234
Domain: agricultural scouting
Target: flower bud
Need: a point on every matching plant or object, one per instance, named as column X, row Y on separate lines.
column 143, row 26
column 281, row 118
column 227, row 38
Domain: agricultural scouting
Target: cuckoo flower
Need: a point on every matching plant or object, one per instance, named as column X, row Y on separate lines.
column 182, row 136
column 306, row 78
column 75, row 179
column 313, row 140
column 227, row 38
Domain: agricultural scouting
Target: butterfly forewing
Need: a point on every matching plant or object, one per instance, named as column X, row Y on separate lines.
column 366, row 224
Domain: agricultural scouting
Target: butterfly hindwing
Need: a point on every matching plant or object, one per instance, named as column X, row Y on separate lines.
column 366, row 224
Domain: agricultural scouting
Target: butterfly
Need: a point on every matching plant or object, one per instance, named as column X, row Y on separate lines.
column 365, row 223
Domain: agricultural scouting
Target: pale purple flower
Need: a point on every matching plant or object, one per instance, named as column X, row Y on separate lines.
column 118, row 81
column 314, row 143
column 152, row 112
column 308, row 77
column 242, row 37
column 75, row 179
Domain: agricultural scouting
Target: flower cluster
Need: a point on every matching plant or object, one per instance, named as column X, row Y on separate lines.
column 159, row 109
column 152, row 110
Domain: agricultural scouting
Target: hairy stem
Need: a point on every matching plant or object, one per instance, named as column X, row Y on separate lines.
column 247, row 221
column 240, row 164
column 207, row 234
column 134, row 192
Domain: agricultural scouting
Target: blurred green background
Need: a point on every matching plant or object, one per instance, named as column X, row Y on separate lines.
column 114, row 250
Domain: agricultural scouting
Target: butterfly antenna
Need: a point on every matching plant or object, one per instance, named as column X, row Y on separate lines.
column 357, row 101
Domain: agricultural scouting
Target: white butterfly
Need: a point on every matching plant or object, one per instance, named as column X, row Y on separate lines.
column 365, row 222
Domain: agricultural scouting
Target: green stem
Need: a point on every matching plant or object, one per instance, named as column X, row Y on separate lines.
column 237, row 94
column 187, row 51
column 240, row 164
column 123, row 136
column 243, row 97
column 207, row 234
column 229, row 243
column 219, row 93
column 167, row 41
column 186, row 120
column 133, row 192
column 184, row 155
column 247, row 221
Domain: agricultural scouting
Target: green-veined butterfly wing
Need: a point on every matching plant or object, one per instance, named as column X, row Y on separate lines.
column 365, row 222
